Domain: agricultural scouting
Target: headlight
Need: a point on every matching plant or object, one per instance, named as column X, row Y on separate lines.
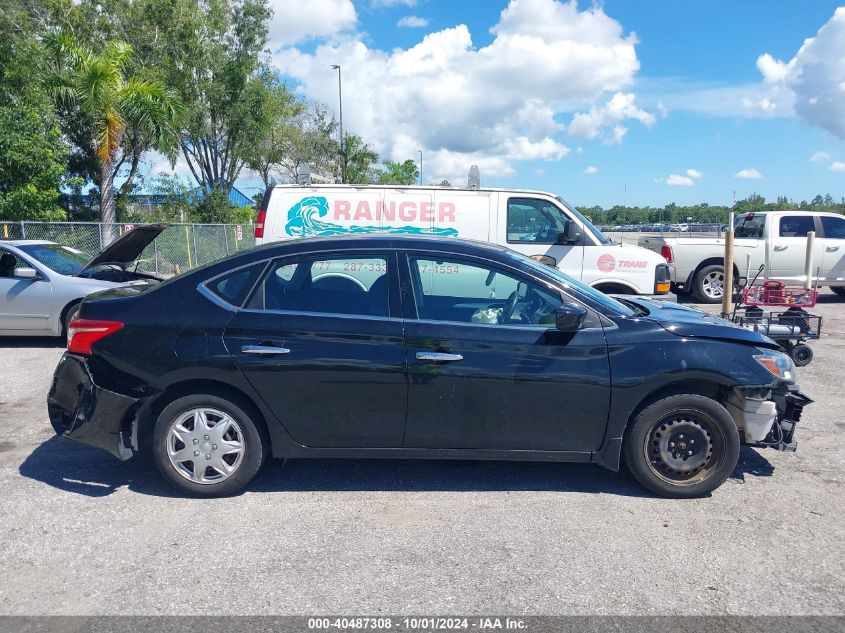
column 778, row 363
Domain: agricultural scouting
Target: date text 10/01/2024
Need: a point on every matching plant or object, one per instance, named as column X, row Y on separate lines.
column 417, row 623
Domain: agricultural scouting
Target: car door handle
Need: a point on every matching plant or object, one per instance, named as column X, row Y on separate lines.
column 832, row 249
column 438, row 356
column 264, row 349
column 778, row 249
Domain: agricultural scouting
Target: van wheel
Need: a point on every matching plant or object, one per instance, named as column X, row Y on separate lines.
column 207, row 446
column 682, row 446
column 709, row 284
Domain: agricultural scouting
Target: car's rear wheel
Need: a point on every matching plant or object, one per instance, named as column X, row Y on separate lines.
column 709, row 284
column 207, row 446
column 682, row 446
column 70, row 314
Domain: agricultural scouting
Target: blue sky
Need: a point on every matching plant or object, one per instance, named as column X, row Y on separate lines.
column 638, row 101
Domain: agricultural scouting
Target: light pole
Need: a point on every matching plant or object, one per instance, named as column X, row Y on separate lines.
column 421, row 168
column 340, row 114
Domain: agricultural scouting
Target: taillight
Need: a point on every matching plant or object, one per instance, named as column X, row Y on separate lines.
column 83, row 333
column 259, row 222
column 666, row 253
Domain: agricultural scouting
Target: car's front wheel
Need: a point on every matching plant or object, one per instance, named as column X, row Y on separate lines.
column 207, row 446
column 682, row 446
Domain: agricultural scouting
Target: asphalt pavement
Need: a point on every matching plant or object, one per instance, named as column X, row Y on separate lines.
column 82, row 533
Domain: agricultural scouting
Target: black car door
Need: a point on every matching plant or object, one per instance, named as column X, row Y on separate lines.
column 321, row 341
column 487, row 368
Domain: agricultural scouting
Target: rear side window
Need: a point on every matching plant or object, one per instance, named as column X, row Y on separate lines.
column 834, row 227
column 534, row 221
column 796, row 226
column 235, row 286
column 335, row 285
column 750, row 226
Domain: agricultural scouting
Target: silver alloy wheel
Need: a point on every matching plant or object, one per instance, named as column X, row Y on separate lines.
column 205, row 446
column 713, row 284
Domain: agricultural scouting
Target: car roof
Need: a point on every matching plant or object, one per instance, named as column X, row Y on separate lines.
column 385, row 240
column 23, row 242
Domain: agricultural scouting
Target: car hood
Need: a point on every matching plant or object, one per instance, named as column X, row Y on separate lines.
column 685, row 321
column 126, row 249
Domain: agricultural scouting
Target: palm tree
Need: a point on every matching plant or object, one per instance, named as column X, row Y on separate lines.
column 97, row 86
column 356, row 160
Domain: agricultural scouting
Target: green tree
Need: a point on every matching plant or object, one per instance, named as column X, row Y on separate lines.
column 405, row 173
column 356, row 160
column 273, row 142
column 95, row 86
column 213, row 54
column 32, row 163
column 309, row 138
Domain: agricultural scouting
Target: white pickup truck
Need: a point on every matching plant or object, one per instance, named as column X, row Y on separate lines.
column 776, row 239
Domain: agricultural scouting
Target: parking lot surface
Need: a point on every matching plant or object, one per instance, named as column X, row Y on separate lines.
column 82, row 533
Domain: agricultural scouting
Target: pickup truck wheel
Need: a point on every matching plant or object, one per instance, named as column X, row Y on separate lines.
column 709, row 284
column 682, row 446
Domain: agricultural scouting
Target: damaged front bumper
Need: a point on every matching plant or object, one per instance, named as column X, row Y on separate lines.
column 767, row 416
column 82, row 411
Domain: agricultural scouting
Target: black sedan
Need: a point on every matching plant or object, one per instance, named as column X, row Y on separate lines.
column 418, row 347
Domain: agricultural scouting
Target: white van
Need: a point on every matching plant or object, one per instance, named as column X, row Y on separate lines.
column 535, row 223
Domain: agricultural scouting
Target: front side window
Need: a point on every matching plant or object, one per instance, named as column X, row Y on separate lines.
column 9, row 262
column 833, row 227
column 333, row 285
column 796, row 225
column 534, row 221
column 468, row 292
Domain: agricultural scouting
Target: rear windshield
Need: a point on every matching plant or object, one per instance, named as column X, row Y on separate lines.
column 750, row 225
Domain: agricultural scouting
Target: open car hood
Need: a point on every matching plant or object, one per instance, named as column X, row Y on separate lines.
column 126, row 249
column 684, row 321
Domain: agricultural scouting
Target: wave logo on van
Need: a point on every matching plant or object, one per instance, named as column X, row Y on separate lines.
column 304, row 219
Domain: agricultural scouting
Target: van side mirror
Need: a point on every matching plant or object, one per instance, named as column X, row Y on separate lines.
column 26, row 273
column 569, row 317
column 571, row 235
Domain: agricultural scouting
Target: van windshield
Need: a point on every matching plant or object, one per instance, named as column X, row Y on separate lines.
column 601, row 237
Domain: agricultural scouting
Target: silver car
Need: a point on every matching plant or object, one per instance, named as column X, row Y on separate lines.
column 42, row 283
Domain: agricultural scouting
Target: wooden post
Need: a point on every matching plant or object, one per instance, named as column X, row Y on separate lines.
column 808, row 260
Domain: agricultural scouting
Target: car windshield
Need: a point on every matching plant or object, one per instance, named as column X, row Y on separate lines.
column 599, row 299
column 601, row 237
column 62, row 259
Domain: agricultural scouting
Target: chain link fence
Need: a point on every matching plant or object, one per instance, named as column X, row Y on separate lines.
column 178, row 248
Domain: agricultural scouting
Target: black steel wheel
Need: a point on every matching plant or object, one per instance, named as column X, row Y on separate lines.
column 684, row 445
column 801, row 354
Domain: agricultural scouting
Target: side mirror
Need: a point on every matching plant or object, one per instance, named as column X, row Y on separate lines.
column 26, row 273
column 571, row 235
column 569, row 317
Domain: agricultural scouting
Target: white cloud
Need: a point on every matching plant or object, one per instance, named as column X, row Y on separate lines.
column 412, row 22
column 815, row 77
column 392, row 3
column 837, row 166
column 299, row 21
column 460, row 103
column 159, row 165
column 820, row 157
column 748, row 174
column 591, row 170
column 605, row 119
column 676, row 180
column 694, row 173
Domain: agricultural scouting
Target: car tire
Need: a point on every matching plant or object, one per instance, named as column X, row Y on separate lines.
column 838, row 290
column 228, row 458
column 682, row 446
column 706, row 283
column 70, row 315
column 801, row 354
